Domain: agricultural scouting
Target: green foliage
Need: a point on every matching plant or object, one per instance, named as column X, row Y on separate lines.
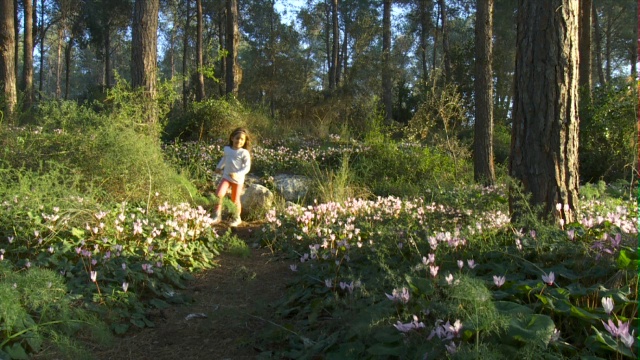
column 608, row 134
column 214, row 119
column 37, row 310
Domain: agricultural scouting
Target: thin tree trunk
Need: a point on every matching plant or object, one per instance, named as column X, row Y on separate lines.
column 544, row 143
column 233, row 39
column 335, row 46
column 598, row 35
column 42, row 37
column 107, row 58
column 342, row 60
column 7, row 60
column 424, row 9
column 221, row 43
column 483, row 129
column 59, row 64
column 185, row 49
column 387, row 96
column 27, row 55
column 446, row 56
column 608, row 50
column 67, row 67
column 585, row 48
column 16, row 36
column 200, row 86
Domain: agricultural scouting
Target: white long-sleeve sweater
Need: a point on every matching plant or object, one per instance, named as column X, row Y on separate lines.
column 235, row 161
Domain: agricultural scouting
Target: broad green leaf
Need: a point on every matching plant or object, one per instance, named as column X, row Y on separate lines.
column 385, row 349
column 627, row 260
column 16, row 352
column 77, row 233
column 419, row 285
column 532, row 328
column 508, row 307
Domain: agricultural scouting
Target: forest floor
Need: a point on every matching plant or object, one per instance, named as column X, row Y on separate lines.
column 237, row 299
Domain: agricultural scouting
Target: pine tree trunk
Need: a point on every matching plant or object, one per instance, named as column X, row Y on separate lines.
column 446, row 56
column 483, row 165
column 144, row 53
column 544, row 143
column 7, row 60
column 387, row 85
column 585, row 47
column 27, row 55
column 335, row 43
column 200, row 86
column 233, row 39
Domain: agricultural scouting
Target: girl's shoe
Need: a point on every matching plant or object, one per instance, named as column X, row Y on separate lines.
column 237, row 221
column 216, row 219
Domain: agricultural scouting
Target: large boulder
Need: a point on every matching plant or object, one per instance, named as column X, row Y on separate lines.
column 256, row 200
column 292, row 187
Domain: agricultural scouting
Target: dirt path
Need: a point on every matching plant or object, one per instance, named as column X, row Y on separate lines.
column 236, row 298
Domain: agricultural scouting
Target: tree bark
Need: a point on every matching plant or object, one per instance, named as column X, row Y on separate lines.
column 387, row 96
column 232, row 40
column 144, row 52
column 185, row 52
column 585, row 47
column 544, row 140
column 446, row 56
column 200, row 86
column 107, row 57
column 7, row 61
column 483, row 165
column 335, row 46
column 597, row 32
column 424, row 8
column 27, row 55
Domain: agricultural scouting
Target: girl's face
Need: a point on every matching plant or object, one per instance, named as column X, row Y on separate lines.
column 239, row 140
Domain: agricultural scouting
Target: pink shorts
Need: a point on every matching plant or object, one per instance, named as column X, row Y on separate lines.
column 236, row 190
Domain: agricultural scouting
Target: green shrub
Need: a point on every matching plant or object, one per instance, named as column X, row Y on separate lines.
column 608, row 135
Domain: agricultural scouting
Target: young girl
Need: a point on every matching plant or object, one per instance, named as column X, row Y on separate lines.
column 233, row 166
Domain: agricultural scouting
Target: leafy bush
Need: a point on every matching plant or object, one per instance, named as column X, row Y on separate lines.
column 608, row 135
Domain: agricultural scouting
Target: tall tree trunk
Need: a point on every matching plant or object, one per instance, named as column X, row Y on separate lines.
column 342, row 59
column 424, row 9
column 7, row 61
column 544, row 142
column 335, row 46
column 608, row 49
column 67, row 67
column 585, row 48
column 27, row 55
column 446, row 54
column 387, row 96
column 16, row 36
column 483, row 129
column 597, row 31
column 59, row 63
column 233, row 39
column 221, row 44
column 42, row 37
column 144, row 53
column 200, row 65
column 107, row 58
column 185, row 52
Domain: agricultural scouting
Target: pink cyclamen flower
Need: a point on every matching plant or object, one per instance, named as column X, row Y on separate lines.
column 460, row 264
column 434, row 270
column 94, row 276
column 621, row 331
column 449, row 279
column 498, row 280
column 549, row 279
column 293, row 267
column 402, row 295
column 125, row 286
column 607, row 304
column 471, row 263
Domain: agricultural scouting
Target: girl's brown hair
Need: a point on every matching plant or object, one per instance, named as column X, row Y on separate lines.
column 240, row 130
